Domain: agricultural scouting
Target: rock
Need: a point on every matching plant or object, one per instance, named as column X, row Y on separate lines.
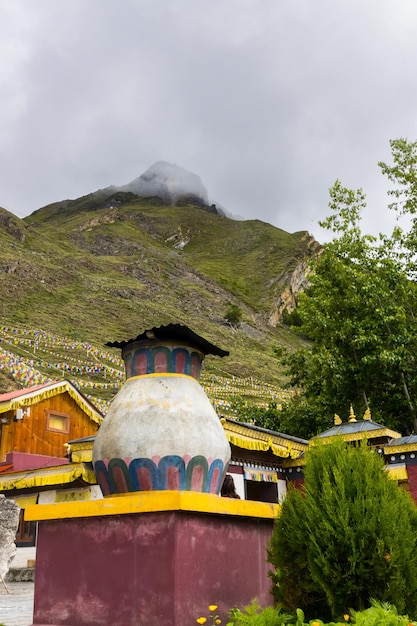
column 9, row 521
column 20, row 575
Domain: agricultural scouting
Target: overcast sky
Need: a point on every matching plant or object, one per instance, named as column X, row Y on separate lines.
column 267, row 101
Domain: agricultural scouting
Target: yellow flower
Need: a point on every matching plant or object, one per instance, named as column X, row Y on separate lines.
column 346, row 617
column 315, row 623
column 217, row 621
column 212, row 607
column 201, row 620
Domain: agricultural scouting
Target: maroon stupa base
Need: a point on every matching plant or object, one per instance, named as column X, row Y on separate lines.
column 148, row 569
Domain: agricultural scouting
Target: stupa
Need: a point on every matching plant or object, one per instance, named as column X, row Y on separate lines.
column 161, row 431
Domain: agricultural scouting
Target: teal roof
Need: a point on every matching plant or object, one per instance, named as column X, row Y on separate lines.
column 349, row 428
column 402, row 441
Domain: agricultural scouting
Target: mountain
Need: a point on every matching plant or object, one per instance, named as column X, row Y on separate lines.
column 169, row 182
column 113, row 263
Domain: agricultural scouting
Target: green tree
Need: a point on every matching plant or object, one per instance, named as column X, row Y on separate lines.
column 402, row 173
column 349, row 537
column 248, row 412
column 359, row 315
column 295, row 417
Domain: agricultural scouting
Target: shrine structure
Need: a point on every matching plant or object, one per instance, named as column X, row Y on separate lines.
column 161, row 545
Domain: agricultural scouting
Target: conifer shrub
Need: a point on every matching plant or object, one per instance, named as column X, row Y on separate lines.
column 350, row 535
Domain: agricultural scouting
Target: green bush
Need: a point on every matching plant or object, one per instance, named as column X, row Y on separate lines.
column 378, row 614
column 233, row 315
column 254, row 615
column 350, row 536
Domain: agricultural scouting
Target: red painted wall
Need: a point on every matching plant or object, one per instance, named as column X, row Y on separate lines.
column 148, row 569
column 22, row 461
column 412, row 481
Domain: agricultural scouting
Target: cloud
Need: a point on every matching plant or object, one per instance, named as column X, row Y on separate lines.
column 267, row 103
column 169, row 182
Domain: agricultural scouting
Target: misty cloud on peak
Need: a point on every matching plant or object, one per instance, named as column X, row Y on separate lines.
column 169, row 182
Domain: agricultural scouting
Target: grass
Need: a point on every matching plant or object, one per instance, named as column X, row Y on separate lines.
column 94, row 274
column 99, row 371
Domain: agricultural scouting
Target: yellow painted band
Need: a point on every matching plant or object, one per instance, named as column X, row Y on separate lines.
column 160, row 375
column 153, row 501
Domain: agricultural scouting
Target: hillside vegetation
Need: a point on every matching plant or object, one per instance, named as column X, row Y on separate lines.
column 106, row 267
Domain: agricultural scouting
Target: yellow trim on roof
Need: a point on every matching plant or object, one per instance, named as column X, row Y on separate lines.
column 366, row 434
column 33, row 397
column 56, row 475
column 152, row 501
column 250, row 439
column 82, row 456
column 247, row 442
column 397, row 472
column 82, row 451
column 299, row 462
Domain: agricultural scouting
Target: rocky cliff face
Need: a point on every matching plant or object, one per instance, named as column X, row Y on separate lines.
column 287, row 301
column 295, row 282
column 12, row 225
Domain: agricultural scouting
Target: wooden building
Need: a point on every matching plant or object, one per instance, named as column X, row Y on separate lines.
column 36, row 425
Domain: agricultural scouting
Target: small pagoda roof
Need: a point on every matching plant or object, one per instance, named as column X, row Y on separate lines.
column 173, row 332
column 404, row 441
column 354, row 429
column 400, row 445
column 348, row 428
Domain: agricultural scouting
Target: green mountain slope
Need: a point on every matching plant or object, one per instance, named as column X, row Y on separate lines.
column 109, row 265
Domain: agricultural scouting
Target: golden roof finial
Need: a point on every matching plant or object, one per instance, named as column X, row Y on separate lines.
column 337, row 420
column 352, row 416
column 367, row 414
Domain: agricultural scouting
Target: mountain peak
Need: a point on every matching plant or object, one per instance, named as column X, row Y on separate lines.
column 169, row 182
